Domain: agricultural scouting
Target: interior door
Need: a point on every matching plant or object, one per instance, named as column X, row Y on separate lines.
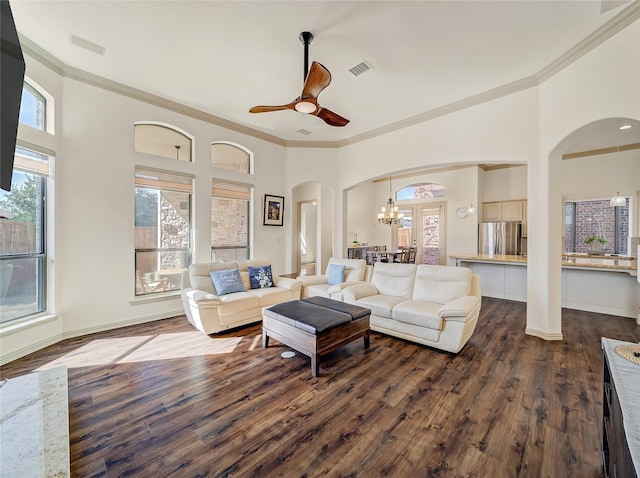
column 307, row 233
column 431, row 234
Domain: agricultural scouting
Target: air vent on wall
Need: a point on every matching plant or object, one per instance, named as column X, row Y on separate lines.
column 87, row 45
column 304, row 132
column 361, row 68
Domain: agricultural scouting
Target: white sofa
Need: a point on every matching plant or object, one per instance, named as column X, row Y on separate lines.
column 355, row 271
column 212, row 313
column 432, row 305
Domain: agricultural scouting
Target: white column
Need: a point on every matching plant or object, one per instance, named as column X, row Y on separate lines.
column 544, row 265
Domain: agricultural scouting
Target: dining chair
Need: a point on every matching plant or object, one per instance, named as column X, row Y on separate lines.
column 411, row 255
column 402, row 257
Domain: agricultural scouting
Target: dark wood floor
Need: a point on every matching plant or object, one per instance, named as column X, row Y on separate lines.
column 162, row 399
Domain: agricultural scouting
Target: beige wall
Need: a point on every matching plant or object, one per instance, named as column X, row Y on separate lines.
column 91, row 240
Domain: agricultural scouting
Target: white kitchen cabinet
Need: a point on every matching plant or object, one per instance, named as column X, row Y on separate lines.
column 491, row 211
column 512, row 211
column 506, row 211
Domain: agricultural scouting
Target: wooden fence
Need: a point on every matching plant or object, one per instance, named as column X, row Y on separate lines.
column 17, row 237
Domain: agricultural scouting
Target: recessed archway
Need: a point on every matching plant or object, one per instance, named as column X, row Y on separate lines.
column 323, row 198
column 548, row 188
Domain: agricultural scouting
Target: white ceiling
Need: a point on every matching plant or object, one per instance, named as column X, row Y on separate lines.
column 224, row 57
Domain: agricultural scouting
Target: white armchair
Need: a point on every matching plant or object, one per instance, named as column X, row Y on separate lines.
column 326, row 285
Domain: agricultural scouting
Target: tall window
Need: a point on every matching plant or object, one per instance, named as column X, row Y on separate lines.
column 162, row 230
column 32, row 107
column 596, row 226
column 22, row 238
column 230, row 220
column 232, row 157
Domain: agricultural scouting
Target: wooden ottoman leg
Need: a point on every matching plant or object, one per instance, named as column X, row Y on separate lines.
column 366, row 339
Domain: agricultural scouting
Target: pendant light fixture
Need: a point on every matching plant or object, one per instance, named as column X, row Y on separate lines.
column 389, row 214
column 618, row 200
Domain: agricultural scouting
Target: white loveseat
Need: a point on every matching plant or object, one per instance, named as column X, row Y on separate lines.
column 355, row 271
column 432, row 305
column 212, row 313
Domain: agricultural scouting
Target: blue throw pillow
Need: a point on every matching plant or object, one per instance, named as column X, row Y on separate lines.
column 227, row 281
column 260, row 277
column 336, row 274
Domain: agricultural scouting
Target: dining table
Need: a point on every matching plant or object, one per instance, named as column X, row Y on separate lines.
column 383, row 256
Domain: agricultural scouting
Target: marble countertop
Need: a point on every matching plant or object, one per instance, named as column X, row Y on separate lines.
column 34, row 425
column 491, row 258
column 568, row 260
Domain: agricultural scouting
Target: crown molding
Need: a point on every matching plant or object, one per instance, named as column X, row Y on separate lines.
column 485, row 96
column 67, row 71
column 312, row 144
column 43, row 56
column 606, row 31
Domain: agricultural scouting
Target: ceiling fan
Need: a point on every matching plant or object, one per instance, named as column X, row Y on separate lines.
column 316, row 79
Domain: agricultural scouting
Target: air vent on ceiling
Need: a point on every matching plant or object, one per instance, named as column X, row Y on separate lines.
column 87, row 45
column 304, row 132
column 361, row 68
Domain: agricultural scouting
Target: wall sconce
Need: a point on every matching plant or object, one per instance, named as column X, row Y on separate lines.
column 466, row 211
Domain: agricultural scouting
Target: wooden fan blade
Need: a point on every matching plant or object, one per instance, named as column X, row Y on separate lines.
column 330, row 117
column 317, row 80
column 266, row 109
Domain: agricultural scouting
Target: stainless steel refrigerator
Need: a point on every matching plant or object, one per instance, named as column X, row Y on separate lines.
column 499, row 237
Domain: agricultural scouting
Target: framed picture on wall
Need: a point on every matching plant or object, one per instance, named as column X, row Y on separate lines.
column 273, row 210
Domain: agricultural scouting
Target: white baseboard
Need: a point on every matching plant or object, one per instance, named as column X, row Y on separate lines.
column 125, row 323
column 6, row 358
column 16, row 354
column 543, row 335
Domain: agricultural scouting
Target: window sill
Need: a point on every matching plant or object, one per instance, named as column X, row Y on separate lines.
column 147, row 299
column 19, row 325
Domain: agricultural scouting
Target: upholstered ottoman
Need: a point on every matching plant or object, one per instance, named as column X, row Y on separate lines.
column 315, row 326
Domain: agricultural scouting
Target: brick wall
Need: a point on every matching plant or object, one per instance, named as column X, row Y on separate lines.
column 597, row 218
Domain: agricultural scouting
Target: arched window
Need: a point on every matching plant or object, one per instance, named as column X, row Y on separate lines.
column 163, row 140
column 231, row 156
column 420, row 191
column 33, row 107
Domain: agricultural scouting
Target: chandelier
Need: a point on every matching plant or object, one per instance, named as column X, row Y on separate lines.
column 389, row 214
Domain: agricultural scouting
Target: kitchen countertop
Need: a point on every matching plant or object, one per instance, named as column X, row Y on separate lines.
column 34, row 425
column 569, row 261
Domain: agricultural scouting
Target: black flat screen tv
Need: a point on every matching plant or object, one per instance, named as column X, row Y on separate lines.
column 12, row 69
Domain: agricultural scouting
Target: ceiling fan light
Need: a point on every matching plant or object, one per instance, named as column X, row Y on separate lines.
column 305, row 107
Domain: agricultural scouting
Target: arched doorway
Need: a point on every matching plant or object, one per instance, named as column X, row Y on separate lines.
column 312, row 202
column 610, row 164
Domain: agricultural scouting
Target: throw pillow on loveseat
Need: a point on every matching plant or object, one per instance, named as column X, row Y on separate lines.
column 211, row 312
